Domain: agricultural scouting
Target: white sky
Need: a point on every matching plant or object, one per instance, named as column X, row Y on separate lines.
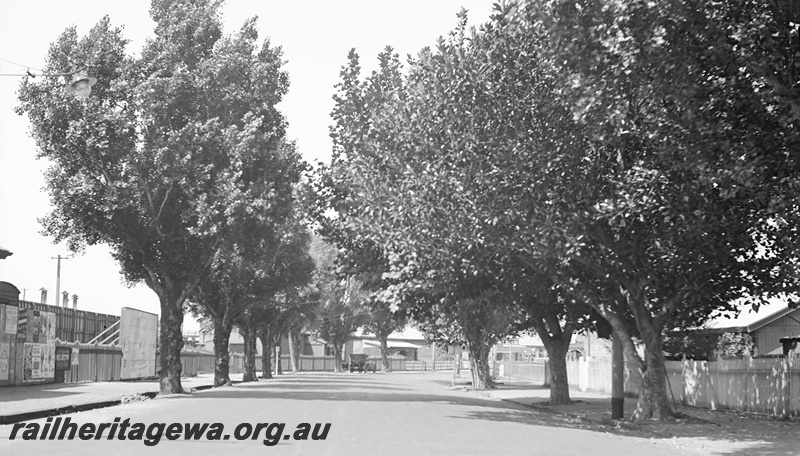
column 315, row 35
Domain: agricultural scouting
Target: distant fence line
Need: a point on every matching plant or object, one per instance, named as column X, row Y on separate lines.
column 103, row 363
column 759, row 385
column 328, row 363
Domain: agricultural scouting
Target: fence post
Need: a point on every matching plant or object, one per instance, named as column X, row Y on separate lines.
column 583, row 373
column 747, row 360
column 787, row 365
column 546, row 372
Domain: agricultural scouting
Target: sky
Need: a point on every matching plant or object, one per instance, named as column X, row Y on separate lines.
column 315, row 35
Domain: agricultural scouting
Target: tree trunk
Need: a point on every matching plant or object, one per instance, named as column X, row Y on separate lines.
column 556, row 341
column 479, row 344
column 559, row 383
column 170, row 345
column 249, row 336
column 654, row 400
column 387, row 366
column 294, row 355
column 337, row 356
column 266, row 355
column 222, row 335
column 479, row 362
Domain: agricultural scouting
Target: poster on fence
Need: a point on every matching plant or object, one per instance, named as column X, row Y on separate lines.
column 36, row 326
column 137, row 336
column 32, row 362
column 5, row 356
column 63, row 358
column 8, row 321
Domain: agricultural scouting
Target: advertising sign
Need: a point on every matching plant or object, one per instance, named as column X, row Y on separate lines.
column 36, row 330
column 5, row 356
column 137, row 337
column 63, row 358
column 10, row 319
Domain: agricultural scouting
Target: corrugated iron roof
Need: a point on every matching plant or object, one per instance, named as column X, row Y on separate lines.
column 750, row 320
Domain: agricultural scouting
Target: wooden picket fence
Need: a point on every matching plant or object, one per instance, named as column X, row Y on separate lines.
column 759, row 385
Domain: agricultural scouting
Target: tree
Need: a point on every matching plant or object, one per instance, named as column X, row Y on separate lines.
column 285, row 316
column 670, row 199
column 555, row 316
column 382, row 322
column 342, row 301
column 284, row 268
column 609, row 155
column 418, row 154
column 171, row 151
column 475, row 317
column 250, row 265
column 221, row 299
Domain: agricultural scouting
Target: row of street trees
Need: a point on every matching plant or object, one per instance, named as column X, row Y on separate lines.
column 178, row 162
column 570, row 165
column 600, row 164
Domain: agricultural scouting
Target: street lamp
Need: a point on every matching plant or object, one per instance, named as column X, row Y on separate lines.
column 81, row 84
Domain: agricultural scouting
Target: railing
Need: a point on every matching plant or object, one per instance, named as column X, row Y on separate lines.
column 109, row 336
column 428, row 365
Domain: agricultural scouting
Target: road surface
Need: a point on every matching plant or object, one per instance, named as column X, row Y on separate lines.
column 369, row 414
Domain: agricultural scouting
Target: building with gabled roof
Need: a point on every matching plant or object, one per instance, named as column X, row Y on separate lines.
column 771, row 323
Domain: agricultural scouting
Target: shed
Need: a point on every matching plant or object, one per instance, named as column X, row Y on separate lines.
column 767, row 327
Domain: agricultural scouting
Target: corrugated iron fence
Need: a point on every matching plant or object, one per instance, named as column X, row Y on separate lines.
column 94, row 363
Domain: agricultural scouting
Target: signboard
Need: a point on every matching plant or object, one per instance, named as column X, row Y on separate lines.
column 36, row 333
column 138, row 332
column 9, row 317
column 5, row 356
column 8, row 333
column 63, row 358
column 22, row 325
column 75, row 352
column 38, row 361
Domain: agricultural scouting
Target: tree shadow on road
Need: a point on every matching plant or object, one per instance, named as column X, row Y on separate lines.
column 720, row 433
column 50, row 390
column 778, row 438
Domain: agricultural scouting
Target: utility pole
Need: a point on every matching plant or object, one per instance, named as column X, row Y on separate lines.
column 58, row 275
